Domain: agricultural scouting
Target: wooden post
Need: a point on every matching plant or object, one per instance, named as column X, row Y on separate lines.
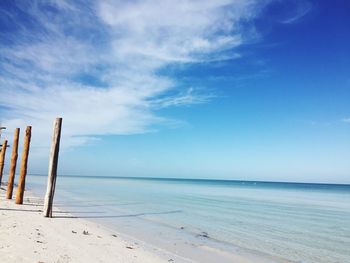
column 23, row 171
column 13, row 165
column 2, row 159
column 53, row 163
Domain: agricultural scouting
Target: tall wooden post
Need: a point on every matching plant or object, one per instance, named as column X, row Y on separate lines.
column 23, row 171
column 2, row 159
column 53, row 163
column 13, row 165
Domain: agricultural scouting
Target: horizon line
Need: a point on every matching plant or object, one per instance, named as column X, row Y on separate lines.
column 190, row 179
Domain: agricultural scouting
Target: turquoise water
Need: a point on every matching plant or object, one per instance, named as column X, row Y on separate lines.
column 287, row 221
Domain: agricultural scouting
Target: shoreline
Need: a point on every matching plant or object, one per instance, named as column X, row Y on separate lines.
column 26, row 236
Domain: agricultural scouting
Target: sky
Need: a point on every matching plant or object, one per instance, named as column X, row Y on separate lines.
column 223, row 89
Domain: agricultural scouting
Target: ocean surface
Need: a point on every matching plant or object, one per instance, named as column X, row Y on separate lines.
column 275, row 222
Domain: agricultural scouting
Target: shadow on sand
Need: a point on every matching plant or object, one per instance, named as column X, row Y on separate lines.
column 120, row 216
column 20, row 210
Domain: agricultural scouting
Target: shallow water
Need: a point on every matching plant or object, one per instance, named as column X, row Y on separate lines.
column 277, row 221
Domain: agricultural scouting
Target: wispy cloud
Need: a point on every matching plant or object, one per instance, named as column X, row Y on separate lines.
column 301, row 8
column 97, row 63
column 346, row 120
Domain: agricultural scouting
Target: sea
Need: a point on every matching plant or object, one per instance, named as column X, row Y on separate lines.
column 213, row 220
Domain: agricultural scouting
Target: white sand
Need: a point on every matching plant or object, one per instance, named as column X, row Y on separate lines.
column 26, row 236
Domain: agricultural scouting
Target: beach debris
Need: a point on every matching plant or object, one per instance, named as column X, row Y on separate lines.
column 114, row 235
column 129, row 247
column 85, row 232
column 182, row 227
column 38, row 241
column 99, row 236
column 170, row 260
column 74, row 232
column 203, row 234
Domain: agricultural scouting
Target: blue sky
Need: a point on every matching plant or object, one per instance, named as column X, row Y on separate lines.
column 255, row 90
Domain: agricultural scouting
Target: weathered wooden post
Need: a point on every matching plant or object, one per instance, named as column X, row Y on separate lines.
column 23, row 171
column 13, row 165
column 2, row 159
column 53, row 163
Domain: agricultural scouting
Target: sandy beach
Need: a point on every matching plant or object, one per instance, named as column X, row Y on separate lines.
column 118, row 229
column 26, row 236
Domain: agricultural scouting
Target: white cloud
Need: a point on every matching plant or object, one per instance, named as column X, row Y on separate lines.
column 97, row 63
column 346, row 120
